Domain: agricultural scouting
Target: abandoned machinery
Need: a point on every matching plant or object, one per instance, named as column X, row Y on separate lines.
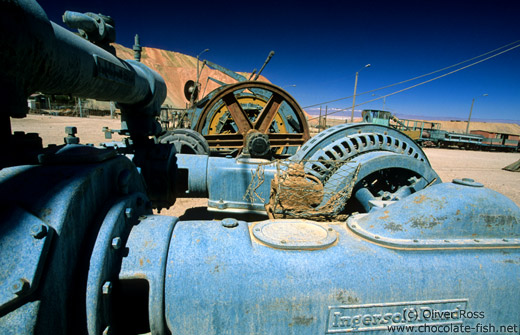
column 249, row 116
column 362, row 233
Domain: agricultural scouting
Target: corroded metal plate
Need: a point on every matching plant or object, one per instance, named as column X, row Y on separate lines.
column 294, row 234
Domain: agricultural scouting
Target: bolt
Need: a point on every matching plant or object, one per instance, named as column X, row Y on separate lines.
column 129, row 212
column 229, row 223
column 39, row 231
column 107, row 288
column 70, row 130
column 116, row 243
column 19, row 286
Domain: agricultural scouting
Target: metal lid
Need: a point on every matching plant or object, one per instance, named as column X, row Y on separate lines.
column 445, row 215
column 467, row 182
column 294, row 234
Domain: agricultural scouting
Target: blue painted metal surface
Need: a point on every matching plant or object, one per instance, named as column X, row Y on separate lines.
column 81, row 251
column 328, row 157
column 228, row 281
column 69, row 199
column 482, row 218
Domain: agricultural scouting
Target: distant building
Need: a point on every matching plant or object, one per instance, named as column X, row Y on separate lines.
column 38, row 101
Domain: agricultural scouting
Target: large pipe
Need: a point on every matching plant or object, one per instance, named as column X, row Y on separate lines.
column 38, row 55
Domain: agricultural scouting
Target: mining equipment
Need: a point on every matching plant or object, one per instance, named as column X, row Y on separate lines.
column 359, row 234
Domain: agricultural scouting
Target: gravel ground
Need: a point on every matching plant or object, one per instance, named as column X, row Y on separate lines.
column 484, row 167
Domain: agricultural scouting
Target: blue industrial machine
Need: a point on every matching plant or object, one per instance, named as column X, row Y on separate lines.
column 82, row 252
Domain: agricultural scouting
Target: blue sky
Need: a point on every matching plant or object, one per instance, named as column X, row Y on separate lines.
column 320, row 45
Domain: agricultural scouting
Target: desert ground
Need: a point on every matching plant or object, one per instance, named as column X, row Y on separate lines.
column 483, row 167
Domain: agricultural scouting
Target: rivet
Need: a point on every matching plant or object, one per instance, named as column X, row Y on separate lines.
column 107, row 288
column 39, row 231
column 116, row 243
column 505, row 240
column 416, row 241
column 446, row 241
column 476, row 241
column 19, row 286
column 353, row 226
column 283, row 241
column 330, row 229
column 229, row 223
column 377, row 237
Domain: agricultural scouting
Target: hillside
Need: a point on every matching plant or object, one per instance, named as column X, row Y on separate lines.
column 177, row 69
column 460, row 127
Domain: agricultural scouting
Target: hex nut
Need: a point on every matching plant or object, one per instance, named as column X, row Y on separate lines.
column 116, row 243
column 129, row 212
column 107, row 288
column 39, row 231
column 19, row 286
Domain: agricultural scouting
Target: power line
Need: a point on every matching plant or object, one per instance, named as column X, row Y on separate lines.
column 424, row 75
column 429, row 80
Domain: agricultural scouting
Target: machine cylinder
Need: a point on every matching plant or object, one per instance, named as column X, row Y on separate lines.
column 303, row 277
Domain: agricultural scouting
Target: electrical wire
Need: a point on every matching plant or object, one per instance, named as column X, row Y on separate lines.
column 424, row 75
column 426, row 81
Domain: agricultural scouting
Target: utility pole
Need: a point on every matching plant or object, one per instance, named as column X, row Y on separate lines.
column 355, row 89
column 471, row 110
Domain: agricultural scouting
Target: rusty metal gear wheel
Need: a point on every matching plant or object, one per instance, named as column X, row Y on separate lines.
column 256, row 106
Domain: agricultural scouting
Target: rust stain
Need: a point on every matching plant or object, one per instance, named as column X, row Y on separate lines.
column 427, row 222
column 394, row 227
column 512, row 261
column 46, row 212
column 302, row 320
column 141, row 262
column 419, row 199
column 385, row 216
column 346, row 297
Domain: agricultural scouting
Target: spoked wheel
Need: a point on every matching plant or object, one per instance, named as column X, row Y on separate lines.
column 253, row 106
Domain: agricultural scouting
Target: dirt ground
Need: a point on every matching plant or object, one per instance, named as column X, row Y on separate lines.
column 483, row 167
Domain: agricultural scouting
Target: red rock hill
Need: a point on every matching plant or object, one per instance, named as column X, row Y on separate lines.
column 177, row 69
